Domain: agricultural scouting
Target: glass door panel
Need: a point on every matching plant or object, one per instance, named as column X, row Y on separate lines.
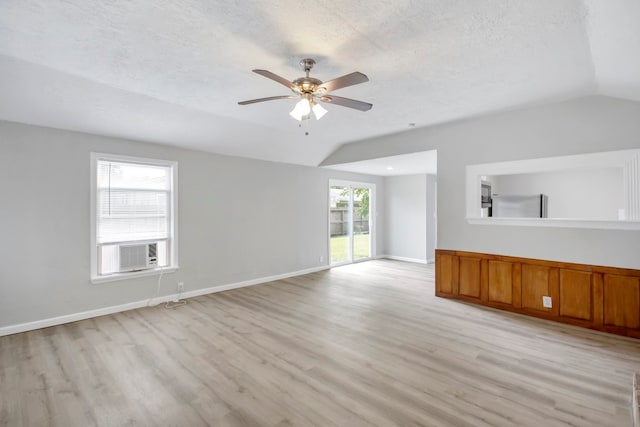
column 340, row 224
column 361, row 226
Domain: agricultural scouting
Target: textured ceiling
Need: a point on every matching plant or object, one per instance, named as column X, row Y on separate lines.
column 172, row 71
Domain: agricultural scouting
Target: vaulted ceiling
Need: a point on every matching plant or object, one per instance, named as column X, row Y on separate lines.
column 172, row 71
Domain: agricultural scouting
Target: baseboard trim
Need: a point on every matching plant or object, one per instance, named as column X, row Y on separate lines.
column 405, row 259
column 635, row 402
column 74, row 317
column 214, row 289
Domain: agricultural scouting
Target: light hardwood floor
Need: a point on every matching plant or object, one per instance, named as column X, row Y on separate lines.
column 361, row 345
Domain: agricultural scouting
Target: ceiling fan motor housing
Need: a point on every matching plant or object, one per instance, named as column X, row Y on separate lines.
column 307, row 84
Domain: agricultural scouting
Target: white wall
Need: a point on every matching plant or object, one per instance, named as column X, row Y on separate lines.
column 585, row 125
column 579, row 193
column 431, row 219
column 406, row 210
column 238, row 220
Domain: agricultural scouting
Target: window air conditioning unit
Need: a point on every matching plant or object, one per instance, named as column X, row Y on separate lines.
column 141, row 256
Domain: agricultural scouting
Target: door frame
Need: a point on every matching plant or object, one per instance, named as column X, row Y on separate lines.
column 372, row 219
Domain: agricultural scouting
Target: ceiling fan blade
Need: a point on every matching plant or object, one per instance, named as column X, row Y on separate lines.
column 344, row 81
column 277, row 78
column 270, row 98
column 346, row 102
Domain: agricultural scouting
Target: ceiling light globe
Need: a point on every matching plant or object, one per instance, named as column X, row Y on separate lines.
column 303, row 106
column 318, row 111
column 296, row 115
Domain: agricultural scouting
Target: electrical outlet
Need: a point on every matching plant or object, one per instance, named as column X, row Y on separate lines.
column 180, row 287
column 321, row 259
column 546, row 302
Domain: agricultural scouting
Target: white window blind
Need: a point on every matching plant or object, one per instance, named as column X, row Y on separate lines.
column 133, row 202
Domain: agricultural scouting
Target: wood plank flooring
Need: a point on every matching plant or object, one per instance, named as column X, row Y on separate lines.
column 361, row 345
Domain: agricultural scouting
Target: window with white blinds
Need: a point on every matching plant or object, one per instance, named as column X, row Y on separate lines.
column 133, row 202
column 134, row 205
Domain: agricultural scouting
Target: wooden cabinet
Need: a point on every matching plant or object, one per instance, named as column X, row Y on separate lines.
column 603, row 298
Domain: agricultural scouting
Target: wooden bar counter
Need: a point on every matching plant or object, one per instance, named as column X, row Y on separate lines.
column 595, row 297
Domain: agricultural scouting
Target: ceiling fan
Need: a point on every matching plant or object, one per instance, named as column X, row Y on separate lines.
column 311, row 91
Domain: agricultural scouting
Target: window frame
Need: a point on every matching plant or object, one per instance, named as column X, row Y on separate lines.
column 173, row 217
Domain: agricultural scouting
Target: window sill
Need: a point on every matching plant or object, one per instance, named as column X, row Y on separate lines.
column 558, row 222
column 133, row 275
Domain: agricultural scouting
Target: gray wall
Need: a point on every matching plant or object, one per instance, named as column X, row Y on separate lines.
column 410, row 212
column 432, row 212
column 238, row 220
column 585, row 125
column 406, row 209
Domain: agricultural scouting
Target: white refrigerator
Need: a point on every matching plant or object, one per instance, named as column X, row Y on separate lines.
column 534, row 206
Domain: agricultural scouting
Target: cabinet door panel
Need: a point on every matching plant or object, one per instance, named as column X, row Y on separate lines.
column 500, row 282
column 470, row 277
column 621, row 301
column 576, row 294
column 535, row 285
column 444, row 273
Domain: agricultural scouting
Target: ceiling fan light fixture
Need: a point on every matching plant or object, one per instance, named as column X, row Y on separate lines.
column 309, row 89
column 318, row 110
column 302, row 109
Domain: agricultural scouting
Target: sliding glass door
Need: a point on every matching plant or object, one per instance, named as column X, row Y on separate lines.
column 350, row 225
